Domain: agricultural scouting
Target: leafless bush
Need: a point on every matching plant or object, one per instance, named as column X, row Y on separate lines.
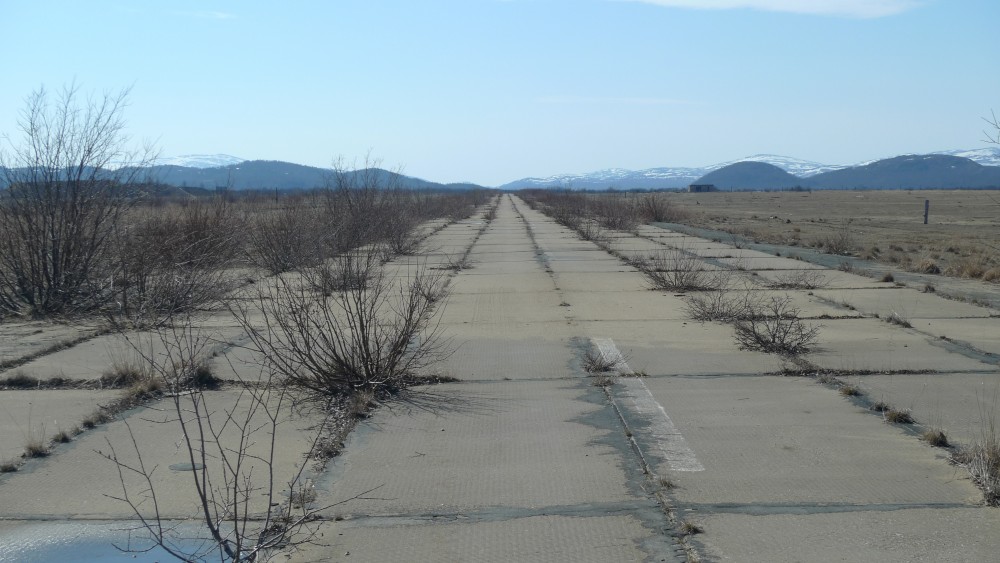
column 67, row 186
column 591, row 231
column 723, row 306
column 773, row 325
column 840, row 242
column 166, row 262
column 371, row 336
column 656, row 208
column 615, row 212
column 286, row 239
column 680, row 270
column 231, row 451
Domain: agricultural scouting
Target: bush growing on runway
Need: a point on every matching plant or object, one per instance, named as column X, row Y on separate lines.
column 680, row 270
column 773, row 325
column 722, row 306
column 369, row 336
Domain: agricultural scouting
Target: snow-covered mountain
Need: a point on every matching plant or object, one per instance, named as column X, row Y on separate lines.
column 679, row 177
column 666, row 177
column 199, row 160
column 986, row 157
column 796, row 166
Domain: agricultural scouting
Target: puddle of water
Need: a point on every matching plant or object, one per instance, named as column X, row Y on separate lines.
column 85, row 543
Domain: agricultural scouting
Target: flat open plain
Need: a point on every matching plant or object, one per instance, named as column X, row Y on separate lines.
column 524, row 458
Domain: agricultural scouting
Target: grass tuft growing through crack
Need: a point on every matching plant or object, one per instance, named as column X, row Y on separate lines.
column 935, row 437
column 689, row 528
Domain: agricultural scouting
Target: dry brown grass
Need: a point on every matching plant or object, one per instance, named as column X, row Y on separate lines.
column 885, row 226
column 935, row 437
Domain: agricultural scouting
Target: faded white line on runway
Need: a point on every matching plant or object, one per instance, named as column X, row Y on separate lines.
column 668, row 443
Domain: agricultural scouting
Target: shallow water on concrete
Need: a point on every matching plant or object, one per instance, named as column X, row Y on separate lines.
column 98, row 542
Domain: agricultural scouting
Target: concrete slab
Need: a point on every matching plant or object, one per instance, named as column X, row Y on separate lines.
column 873, row 344
column 788, row 441
column 906, row 302
column 666, row 347
column 90, row 359
column 624, row 305
column 962, row 405
column 541, row 538
column 40, row 414
column 609, row 282
column 50, row 487
column 982, row 333
column 501, row 444
column 926, row 535
column 474, row 282
column 503, row 308
column 486, row 358
column 20, row 339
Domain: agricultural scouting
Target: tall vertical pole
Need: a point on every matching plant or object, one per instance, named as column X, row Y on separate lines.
column 927, row 209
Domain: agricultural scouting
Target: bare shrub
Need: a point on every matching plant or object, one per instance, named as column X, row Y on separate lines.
column 67, row 185
column 774, row 326
column 165, row 262
column 656, row 208
column 840, row 242
column 231, row 451
column 592, row 231
column 286, row 239
column 680, row 270
column 367, row 337
column 615, row 212
column 722, row 306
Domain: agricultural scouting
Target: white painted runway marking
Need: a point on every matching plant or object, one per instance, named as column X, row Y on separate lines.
column 668, row 442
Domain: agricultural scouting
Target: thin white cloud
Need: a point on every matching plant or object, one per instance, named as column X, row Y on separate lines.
column 611, row 100
column 844, row 8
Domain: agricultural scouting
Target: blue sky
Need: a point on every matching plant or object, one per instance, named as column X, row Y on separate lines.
column 494, row 90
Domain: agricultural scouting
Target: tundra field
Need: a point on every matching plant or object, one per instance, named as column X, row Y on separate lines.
column 372, row 375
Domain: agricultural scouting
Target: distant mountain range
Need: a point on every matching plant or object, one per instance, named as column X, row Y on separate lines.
column 979, row 168
column 912, row 171
column 206, row 172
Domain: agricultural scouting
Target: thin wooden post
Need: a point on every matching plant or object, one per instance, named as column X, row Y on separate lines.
column 927, row 209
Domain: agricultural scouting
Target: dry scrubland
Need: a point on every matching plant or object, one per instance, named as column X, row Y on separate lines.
column 961, row 239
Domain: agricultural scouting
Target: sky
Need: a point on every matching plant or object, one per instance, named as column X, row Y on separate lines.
column 490, row 91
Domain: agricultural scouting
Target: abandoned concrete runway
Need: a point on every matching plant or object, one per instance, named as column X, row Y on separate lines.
column 525, row 459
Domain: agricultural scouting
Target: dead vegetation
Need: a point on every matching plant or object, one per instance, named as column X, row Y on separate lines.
column 369, row 336
column 772, row 325
column 981, row 458
column 882, row 226
column 679, row 269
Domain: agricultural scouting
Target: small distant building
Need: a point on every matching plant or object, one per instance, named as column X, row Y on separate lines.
column 701, row 188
